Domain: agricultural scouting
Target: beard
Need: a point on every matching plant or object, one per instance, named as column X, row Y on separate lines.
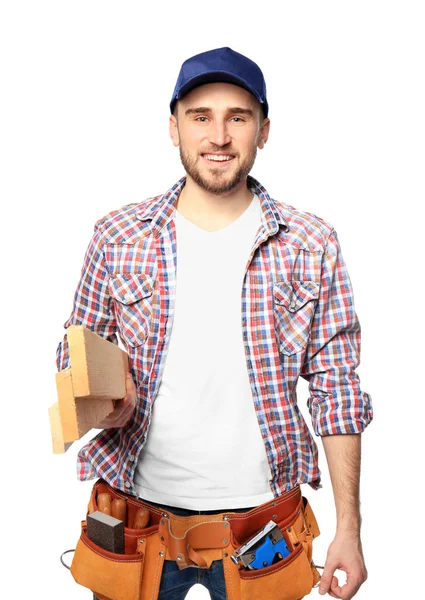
column 217, row 182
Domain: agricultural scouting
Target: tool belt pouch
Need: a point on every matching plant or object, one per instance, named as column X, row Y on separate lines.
column 292, row 577
column 133, row 575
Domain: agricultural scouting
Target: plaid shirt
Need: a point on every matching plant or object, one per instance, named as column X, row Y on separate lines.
column 297, row 319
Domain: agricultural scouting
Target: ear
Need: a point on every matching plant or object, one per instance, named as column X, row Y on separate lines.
column 264, row 133
column 174, row 132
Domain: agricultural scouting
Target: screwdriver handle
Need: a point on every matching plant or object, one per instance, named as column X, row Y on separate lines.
column 119, row 509
column 141, row 518
column 104, row 503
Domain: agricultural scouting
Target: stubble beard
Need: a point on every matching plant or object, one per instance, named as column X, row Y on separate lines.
column 217, row 182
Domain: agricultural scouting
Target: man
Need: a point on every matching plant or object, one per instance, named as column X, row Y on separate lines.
column 223, row 298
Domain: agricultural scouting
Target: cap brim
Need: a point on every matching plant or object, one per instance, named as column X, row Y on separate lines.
column 215, row 77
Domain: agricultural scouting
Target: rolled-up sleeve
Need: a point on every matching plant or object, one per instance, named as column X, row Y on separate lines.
column 92, row 307
column 336, row 402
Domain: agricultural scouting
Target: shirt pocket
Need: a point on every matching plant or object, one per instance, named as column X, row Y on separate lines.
column 133, row 295
column 294, row 306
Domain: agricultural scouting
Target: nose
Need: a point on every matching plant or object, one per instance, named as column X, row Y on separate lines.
column 219, row 134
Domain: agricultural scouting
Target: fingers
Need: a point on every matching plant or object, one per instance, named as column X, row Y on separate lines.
column 130, row 400
column 124, row 408
column 329, row 583
column 334, row 584
column 335, row 590
column 327, row 578
column 118, row 417
column 129, row 383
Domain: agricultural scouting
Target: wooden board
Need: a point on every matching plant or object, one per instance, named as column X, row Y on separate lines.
column 58, row 444
column 98, row 366
column 79, row 415
column 88, row 388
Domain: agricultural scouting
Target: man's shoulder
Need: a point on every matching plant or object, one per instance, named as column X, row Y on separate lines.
column 122, row 223
column 308, row 229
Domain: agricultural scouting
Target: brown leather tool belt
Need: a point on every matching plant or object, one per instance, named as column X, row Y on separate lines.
column 195, row 541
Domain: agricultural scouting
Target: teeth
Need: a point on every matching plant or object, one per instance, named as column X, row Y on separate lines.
column 219, row 157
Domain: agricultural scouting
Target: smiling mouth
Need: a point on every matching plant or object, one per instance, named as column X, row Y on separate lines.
column 218, row 159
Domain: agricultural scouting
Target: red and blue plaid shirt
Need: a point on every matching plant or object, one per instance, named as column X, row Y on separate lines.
column 297, row 319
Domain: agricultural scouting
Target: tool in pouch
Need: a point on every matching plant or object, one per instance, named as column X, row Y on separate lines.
column 106, row 525
column 265, row 548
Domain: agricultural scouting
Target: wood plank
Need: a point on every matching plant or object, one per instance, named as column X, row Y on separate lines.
column 78, row 415
column 58, row 444
column 98, row 366
column 88, row 389
column 67, row 408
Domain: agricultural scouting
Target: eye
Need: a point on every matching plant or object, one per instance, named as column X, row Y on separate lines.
column 240, row 120
column 197, row 119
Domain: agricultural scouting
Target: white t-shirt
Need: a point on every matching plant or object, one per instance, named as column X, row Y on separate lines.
column 204, row 449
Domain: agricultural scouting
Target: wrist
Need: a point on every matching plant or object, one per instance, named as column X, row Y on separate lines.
column 348, row 529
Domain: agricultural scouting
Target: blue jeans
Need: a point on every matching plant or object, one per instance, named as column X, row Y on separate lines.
column 176, row 583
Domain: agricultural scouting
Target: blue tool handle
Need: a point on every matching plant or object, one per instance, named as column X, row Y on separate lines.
column 265, row 554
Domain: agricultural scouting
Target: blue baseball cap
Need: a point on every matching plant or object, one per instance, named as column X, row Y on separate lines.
column 221, row 64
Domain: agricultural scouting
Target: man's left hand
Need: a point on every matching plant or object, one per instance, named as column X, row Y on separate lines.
column 344, row 553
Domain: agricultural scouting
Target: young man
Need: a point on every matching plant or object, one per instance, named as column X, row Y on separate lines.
column 223, row 298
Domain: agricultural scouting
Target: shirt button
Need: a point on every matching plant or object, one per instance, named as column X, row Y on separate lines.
column 127, row 484
column 128, row 296
column 132, row 457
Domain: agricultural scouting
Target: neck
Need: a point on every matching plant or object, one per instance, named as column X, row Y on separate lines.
column 195, row 201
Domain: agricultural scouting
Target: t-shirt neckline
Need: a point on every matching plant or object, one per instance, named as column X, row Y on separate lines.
column 243, row 215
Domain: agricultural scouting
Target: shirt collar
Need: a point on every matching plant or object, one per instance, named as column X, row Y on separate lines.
column 162, row 209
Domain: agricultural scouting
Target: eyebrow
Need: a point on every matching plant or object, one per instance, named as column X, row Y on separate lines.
column 234, row 110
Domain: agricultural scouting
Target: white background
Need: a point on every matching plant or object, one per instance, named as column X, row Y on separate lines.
column 84, row 130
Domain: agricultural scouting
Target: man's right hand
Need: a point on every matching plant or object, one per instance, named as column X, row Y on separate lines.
column 124, row 408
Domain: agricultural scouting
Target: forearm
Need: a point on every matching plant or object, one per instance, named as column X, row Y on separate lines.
column 343, row 455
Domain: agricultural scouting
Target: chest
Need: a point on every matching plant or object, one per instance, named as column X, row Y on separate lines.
column 276, row 282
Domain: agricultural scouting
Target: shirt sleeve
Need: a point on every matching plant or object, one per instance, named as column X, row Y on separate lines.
column 92, row 307
column 336, row 402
